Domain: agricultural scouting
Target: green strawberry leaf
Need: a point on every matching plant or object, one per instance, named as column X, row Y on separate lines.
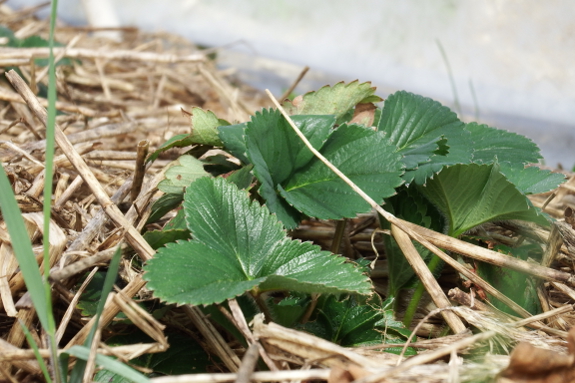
column 289, row 310
column 470, row 195
column 233, row 138
column 418, row 126
column 164, row 204
column 277, row 152
column 363, row 155
column 205, row 127
column 204, row 132
column 178, row 222
column 517, row 286
column 512, row 151
column 532, row 180
column 355, row 321
column 158, row 238
column 178, row 141
column 242, row 177
column 238, row 246
column 181, row 173
column 490, row 143
column 336, row 100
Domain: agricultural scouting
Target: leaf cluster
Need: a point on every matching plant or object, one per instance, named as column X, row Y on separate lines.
column 415, row 154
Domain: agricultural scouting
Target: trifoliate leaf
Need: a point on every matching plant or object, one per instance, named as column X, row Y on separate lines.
column 353, row 322
column 181, row 173
column 470, row 195
column 205, row 127
column 277, row 152
column 417, row 126
column 335, row 100
column 238, row 246
column 363, row 155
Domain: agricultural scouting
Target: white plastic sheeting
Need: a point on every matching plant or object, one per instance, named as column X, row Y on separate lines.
column 517, row 57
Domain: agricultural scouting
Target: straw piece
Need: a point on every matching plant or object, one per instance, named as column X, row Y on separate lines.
column 427, row 278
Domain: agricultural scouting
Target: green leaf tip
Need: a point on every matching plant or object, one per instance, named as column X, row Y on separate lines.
column 205, row 127
column 336, row 100
column 237, row 246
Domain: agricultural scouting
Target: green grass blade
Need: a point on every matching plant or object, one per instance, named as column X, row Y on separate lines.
column 78, row 371
column 34, row 346
column 50, row 326
column 457, row 105
column 23, row 248
column 82, row 352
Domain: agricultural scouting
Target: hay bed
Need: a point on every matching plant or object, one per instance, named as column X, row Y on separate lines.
column 132, row 91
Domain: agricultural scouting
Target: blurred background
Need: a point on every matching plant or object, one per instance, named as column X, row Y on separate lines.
column 507, row 63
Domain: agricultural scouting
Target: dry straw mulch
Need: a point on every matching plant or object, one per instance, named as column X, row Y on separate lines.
column 125, row 94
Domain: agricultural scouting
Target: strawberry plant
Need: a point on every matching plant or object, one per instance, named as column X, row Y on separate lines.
column 418, row 158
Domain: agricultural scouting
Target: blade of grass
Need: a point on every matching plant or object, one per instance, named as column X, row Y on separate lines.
column 457, row 105
column 36, row 349
column 83, row 353
column 80, row 368
column 23, row 248
column 50, row 327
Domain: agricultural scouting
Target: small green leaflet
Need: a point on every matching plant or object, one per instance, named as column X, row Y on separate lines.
column 178, row 141
column 355, row 321
column 419, row 126
column 204, row 124
column 336, row 100
column 532, row 180
column 181, row 173
column 238, row 246
column 205, row 127
column 512, row 151
column 470, row 195
column 508, row 147
column 164, row 204
column 233, row 137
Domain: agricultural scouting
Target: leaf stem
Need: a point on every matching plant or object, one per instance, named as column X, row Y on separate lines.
column 338, row 236
column 412, row 307
column 259, row 298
